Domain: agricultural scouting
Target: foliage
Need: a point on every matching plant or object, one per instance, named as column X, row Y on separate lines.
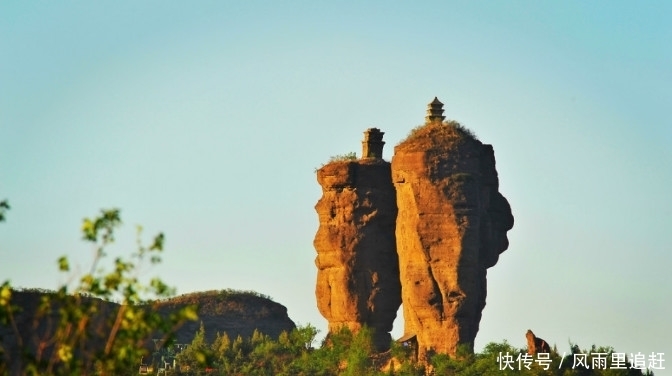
column 217, row 302
column 73, row 332
column 440, row 129
column 4, row 206
column 345, row 353
column 347, row 157
column 197, row 353
column 351, row 156
column 219, row 295
column 494, row 360
column 257, row 355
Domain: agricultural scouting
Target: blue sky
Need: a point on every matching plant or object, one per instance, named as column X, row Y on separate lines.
column 206, row 121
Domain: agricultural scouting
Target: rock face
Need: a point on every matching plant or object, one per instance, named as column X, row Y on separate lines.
column 451, row 226
column 358, row 269
column 535, row 344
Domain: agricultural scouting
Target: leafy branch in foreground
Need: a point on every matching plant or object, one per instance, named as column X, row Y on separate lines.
column 79, row 331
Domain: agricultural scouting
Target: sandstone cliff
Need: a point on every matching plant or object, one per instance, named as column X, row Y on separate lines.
column 451, row 226
column 358, row 270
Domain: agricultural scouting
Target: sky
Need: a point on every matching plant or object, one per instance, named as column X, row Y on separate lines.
column 206, row 121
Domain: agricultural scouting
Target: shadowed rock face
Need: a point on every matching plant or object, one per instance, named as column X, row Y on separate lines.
column 358, row 270
column 451, row 226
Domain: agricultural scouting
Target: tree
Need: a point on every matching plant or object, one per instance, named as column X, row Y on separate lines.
column 79, row 331
column 197, row 355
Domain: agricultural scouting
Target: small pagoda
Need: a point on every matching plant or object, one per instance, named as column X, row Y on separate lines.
column 435, row 111
column 372, row 145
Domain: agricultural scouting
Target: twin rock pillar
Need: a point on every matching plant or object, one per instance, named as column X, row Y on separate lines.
column 358, row 268
column 422, row 231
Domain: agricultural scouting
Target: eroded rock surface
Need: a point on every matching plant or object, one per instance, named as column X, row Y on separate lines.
column 536, row 345
column 358, row 270
column 451, row 226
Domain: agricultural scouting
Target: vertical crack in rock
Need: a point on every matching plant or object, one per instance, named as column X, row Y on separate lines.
column 435, row 299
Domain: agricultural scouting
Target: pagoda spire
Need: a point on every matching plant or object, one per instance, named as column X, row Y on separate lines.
column 435, row 111
column 372, row 146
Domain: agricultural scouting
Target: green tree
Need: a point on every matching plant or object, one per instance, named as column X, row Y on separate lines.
column 221, row 348
column 358, row 356
column 80, row 333
column 197, row 355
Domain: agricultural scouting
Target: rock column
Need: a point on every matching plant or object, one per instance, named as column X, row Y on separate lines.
column 451, row 226
column 358, row 269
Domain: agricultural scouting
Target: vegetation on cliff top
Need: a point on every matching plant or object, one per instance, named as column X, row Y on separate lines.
column 339, row 158
column 351, row 156
column 433, row 132
column 216, row 296
column 227, row 302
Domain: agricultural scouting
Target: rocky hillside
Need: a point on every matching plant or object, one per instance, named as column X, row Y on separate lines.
column 233, row 312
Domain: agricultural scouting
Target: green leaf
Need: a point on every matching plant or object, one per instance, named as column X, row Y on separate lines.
column 189, row 313
column 158, row 243
column 63, row 264
column 89, row 230
column 5, row 294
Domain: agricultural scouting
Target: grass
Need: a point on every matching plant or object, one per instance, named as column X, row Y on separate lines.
column 347, row 157
column 351, row 156
column 221, row 295
column 446, row 129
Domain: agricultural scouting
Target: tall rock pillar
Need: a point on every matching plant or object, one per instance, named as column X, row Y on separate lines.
column 358, row 269
column 451, row 226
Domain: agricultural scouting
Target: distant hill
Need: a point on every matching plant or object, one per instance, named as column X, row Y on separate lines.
column 230, row 311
